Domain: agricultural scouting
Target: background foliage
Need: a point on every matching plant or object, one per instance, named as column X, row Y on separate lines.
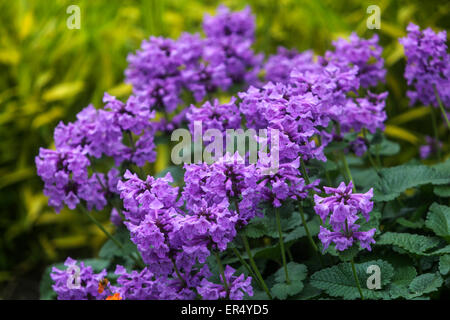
column 48, row 73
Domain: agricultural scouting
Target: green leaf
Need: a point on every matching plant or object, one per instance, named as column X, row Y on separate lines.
column 401, row 281
column 385, row 148
column 438, row 220
column 426, row 283
column 297, row 273
column 396, row 180
column 410, row 224
column 442, row 191
column 413, row 243
column 338, row 281
column 45, row 287
column 444, row 264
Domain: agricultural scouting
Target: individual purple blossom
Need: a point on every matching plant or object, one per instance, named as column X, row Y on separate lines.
column 237, row 286
column 358, row 146
column 342, row 208
column 68, row 287
column 428, row 65
column 430, row 147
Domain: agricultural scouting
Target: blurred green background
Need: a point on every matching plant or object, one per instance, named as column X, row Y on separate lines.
column 49, row 72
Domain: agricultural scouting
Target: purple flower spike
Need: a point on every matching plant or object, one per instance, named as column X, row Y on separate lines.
column 428, row 65
column 342, row 208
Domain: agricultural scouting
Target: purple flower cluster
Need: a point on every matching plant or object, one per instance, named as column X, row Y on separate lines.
column 66, row 180
column 365, row 54
column 163, row 68
column 145, row 285
column 279, row 66
column 71, row 285
column 234, row 288
column 428, row 65
column 229, row 37
column 215, row 116
column 342, row 208
column 94, row 134
column 174, row 241
column 228, row 181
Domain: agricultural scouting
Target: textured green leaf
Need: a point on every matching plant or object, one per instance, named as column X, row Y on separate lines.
column 426, row 283
column 413, row 243
column 444, row 264
column 401, row 281
column 396, row 180
column 438, row 220
column 338, row 281
column 283, row 290
column 410, row 224
column 297, row 273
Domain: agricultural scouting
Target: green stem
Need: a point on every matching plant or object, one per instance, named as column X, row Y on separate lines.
column 178, row 272
column 356, row 279
column 441, row 106
column 283, row 254
column 313, row 244
column 254, row 266
column 222, row 272
column 98, row 224
column 436, row 132
column 133, row 148
column 347, row 171
column 138, row 261
column 303, row 171
column 245, row 264
column 348, row 174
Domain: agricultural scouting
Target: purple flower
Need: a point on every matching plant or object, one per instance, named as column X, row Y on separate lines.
column 66, row 181
column 101, row 132
column 358, row 146
column 428, row 65
column 429, row 148
column 215, row 116
column 154, row 73
column 237, row 287
column 230, row 180
column 77, row 282
column 230, row 36
column 342, row 208
column 365, row 54
column 279, row 66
